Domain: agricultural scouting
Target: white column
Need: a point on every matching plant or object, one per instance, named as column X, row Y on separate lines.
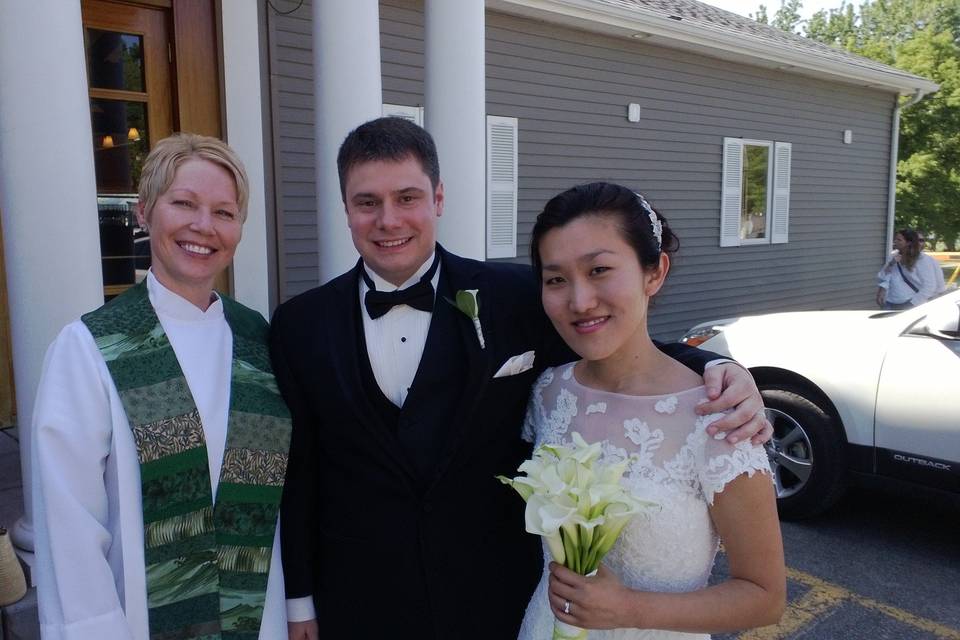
column 455, row 112
column 47, row 194
column 346, row 72
column 244, row 132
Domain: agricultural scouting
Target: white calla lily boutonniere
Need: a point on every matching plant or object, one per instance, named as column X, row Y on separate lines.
column 469, row 306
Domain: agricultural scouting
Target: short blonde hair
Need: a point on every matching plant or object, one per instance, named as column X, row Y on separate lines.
column 168, row 154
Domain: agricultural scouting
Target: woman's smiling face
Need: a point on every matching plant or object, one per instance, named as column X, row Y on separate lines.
column 195, row 227
column 594, row 289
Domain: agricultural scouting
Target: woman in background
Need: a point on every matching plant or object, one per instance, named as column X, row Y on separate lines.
column 909, row 277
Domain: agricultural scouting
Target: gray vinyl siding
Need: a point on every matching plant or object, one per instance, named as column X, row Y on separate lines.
column 291, row 70
column 570, row 89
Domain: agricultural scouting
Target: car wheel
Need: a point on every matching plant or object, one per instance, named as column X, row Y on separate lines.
column 806, row 453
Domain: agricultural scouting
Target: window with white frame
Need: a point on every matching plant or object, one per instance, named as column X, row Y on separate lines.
column 755, row 198
column 413, row 114
column 501, row 187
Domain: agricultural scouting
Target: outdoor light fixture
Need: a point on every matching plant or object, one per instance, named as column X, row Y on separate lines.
column 847, row 136
column 633, row 112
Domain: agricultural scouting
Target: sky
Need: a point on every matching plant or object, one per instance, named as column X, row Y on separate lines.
column 746, row 7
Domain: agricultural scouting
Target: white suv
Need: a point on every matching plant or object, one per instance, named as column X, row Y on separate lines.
column 852, row 394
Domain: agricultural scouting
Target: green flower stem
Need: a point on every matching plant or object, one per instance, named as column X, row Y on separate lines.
column 588, row 561
column 564, row 631
column 586, row 538
column 570, row 550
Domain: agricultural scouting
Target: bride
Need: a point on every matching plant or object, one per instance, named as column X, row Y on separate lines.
column 602, row 252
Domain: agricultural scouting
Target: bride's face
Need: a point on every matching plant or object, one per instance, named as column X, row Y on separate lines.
column 594, row 289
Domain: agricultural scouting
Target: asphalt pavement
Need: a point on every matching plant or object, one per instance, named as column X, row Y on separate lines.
column 879, row 566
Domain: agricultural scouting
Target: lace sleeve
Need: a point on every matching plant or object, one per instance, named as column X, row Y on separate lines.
column 719, row 462
column 534, row 419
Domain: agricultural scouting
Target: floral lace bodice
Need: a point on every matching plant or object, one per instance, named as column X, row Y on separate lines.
column 675, row 464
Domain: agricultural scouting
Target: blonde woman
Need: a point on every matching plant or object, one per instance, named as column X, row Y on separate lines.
column 160, row 438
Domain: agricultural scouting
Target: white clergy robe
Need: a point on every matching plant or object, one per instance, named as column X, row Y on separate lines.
column 88, row 510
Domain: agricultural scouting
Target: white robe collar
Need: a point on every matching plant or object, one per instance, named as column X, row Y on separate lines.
column 171, row 305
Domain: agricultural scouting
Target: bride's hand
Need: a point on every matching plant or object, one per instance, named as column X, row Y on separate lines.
column 596, row 602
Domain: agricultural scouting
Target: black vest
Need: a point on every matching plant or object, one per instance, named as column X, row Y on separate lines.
column 422, row 424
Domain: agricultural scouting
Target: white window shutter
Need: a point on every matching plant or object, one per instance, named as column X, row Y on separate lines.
column 781, row 192
column 730, row 193
column 413, row 114
column 501, row 187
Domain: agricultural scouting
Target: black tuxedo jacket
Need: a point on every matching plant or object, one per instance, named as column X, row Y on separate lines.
column 396, row 537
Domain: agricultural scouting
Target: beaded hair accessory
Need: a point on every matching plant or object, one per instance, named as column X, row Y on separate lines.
column 654, row 220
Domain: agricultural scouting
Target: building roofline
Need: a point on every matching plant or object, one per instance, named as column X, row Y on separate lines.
column 701, row 36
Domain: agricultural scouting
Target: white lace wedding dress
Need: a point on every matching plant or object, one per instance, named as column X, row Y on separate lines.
column 677, row 465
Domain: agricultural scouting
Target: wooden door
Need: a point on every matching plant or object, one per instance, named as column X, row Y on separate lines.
column 151, row 70
column 129, row 55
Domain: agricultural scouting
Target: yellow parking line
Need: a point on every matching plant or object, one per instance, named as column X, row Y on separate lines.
column 896, row 613
column 799, row 614
column 822, row 597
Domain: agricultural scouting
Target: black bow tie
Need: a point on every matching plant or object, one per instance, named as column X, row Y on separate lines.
column 419, row 296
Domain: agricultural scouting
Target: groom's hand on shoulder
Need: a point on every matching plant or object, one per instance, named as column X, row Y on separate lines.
column 308, row 630
column 730, row 386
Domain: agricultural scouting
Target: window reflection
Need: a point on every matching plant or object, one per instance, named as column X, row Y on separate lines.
column 120, row 146
column 114, row 60
column 754, row 203
column 120, row 143
column 124, row 245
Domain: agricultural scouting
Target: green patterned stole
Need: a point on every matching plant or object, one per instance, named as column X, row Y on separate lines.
column 206, row 562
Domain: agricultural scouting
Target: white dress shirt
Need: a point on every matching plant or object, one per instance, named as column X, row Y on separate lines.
column 396, row 339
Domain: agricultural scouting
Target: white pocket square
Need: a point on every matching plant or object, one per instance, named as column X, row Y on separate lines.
column 516, row 364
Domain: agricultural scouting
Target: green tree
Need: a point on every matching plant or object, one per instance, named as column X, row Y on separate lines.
column 787, row 17
column 761, row 16
column 921, row 37
column 837, row 27
column 928, row 171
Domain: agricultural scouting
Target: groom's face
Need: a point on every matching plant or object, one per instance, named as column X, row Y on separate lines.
column 392, row 211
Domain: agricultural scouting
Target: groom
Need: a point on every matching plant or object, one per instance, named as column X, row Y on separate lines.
column 393, row 523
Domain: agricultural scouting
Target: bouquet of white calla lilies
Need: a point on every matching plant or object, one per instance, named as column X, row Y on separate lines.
column 577, row 504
